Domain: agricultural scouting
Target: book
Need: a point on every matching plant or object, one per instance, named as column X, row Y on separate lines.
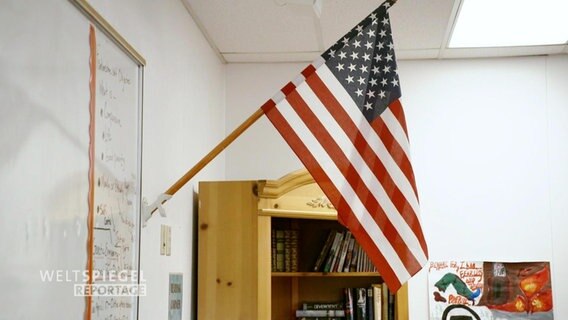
column 377, row 304
column 294, row 248
column 323, row 306
column 320, row 318
column 320, row 313
column 353, row 267
column 369, row 263
column 349, row 256
column 333, row 252
column 279, row 250
column 349, row 306
column 273, row 250
column 324, row 251
column 287, row 250
column 385, row 301
column 367, row 267
column 391, row 304
column 361, row 304
column 370, row 304
column 343, row 252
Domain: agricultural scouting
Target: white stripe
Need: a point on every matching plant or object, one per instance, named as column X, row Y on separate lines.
column 298, row 80
column 318, row 62
column 279, row 96
column 365, row 173
column 370, row 135
column 345, row 189
column 396, row 130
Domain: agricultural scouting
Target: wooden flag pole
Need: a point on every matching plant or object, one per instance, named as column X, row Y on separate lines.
column 211, row 155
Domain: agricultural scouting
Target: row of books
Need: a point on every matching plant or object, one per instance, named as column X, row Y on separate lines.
column 321, row 310
column 285, row 250
column 341, row 253
column 372, row 303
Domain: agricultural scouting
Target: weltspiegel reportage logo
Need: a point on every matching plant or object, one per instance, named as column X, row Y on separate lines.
column 105, row 283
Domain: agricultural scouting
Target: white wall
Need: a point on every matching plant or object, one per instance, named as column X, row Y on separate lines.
column 488, row 140
column 184, row 110
column 260, row 152
column 557, row 102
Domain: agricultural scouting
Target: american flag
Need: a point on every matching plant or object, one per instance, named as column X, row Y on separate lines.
column 343, row 119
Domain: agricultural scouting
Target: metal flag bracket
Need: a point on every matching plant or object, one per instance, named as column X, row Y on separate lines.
column 147, row 210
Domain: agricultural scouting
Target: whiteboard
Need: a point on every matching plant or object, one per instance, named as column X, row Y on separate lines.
column 55, row 172
column 115, row 162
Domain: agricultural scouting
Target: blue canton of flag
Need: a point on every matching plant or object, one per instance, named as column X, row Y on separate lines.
column 364, row 63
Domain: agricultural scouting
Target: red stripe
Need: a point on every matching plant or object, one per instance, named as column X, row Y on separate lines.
column 396, row 151
column 372, row 160
column 288, row 88
column 268, row 105
column 396, row 109
column 334, row 196
column 354, row 179
column 308, row 71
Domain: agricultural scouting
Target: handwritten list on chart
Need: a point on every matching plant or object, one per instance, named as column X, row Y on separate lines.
column 116, row 201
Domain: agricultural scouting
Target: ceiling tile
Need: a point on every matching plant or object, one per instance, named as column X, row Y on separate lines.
column 250, row 26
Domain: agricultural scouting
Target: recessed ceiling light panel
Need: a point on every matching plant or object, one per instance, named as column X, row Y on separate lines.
column 507, row 23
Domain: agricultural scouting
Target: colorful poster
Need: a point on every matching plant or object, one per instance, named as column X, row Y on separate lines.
column 490, row 290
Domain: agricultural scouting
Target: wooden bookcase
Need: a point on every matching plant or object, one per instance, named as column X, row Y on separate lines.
column 235, row 280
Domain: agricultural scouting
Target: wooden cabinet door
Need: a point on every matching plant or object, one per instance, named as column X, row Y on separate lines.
column 227, row 251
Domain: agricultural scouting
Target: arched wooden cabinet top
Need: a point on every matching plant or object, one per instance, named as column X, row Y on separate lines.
column 296, row 195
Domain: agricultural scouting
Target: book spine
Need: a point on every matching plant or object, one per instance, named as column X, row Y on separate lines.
column 343, row 252
column 353, row 267
column 360, row 260
column 273, row 250
column 370, row 304
column 324, row 251
column 377, row 294
column 385, row 301
column 349, row 306
column 323, row 306
column 321, row 318
column 320, row 313
column 337, row 252
column 361, row 310
column 287, row 251
column 279, row 250
column 332, row 252
column 391, row 303
column 349, row 256
column 294, row 250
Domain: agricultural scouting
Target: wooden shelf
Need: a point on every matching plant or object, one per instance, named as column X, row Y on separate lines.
column 325, row 274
